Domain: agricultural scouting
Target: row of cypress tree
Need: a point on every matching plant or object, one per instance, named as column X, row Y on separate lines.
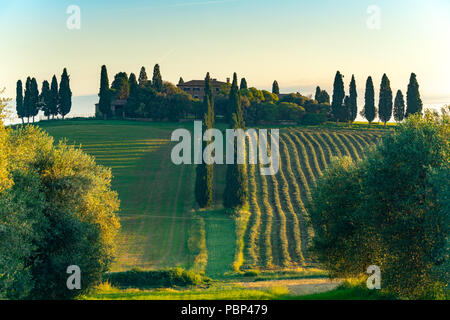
column 52, row 101
column 236, row 188
column 345, row 108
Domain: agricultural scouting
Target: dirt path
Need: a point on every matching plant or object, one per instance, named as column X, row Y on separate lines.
column 296, row 286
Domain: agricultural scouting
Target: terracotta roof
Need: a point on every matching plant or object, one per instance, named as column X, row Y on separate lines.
column 201, row 83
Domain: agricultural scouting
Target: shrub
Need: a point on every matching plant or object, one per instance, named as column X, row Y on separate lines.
column 59, row 212
column 390, row 210
column 141, row 279
column 313, row 119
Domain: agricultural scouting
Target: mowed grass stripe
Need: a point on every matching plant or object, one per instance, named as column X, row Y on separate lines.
column 289, row 188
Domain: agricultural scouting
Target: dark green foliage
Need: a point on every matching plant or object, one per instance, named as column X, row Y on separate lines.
column 34, row 99
column 321, row 96
column 120, row 86
column 413, row 100
column 19, row 100
column 65, row 94
column 243, row 85
column 205, row 172
column 337, row 108
column 346, row 113
column 399, row 107
column 275, row 88
column 27, row 99
column 45, row 99
column 54, row 97
column 369, row 112
column 353, row 101
column 141, row 279
column 105, row 94
column 181, row 81
column 236, row 184
column 157, row 79
column 143, row 79
column 385, row 103
column 390, row 210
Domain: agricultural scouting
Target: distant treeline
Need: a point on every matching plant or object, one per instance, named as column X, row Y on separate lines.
column 345, row 108
column 51, row 100
column 161, row 100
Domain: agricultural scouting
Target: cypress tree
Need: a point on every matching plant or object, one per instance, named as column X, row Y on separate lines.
column 143, row 79
column 275, row 88
column 243, row 85
column 65, row 94
column 181, row 81
column 369, row 111
column 399, row 107
column 318, row 94
column 133, row 98
column 19, row 100
column 54, row 97
column 205, row 172
column 27, row 100
column 337, row 108
column 236, row 187
column 45, row 99
column 385, row 103
column 353, row 101
column 413, row 101
column 347, row 107
column 34, row 98
column 157, row 79
column 105, row 94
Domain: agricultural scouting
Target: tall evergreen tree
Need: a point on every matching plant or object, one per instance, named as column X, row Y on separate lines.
column 337, row 109
column 385, row 103
column 353, row 101
column 236, row 187
column 34, row 98
column 65, row 94
column 399, row 107
column 157, row 79
column 45, row 99
column 181, row 81
column 205, row 172
column 19, row 101
column 143, row 79
column 369, row 111
column 105, row 94
column 413, row 101
column 54, row 100
column 243, row 85
column 275, row 87
column 27, row 100
column 318, row 94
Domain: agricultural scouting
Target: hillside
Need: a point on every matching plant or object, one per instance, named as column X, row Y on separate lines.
column 157, row 197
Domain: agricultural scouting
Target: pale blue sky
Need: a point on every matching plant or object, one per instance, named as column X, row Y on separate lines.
column 299, row 43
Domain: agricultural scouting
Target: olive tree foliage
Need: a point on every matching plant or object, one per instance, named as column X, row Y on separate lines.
column 59, row 212
column 390, row 210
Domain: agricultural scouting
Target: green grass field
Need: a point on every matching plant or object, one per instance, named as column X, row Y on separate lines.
column 157, row 197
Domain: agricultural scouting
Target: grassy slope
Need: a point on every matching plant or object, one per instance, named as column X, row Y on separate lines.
column 156, row 196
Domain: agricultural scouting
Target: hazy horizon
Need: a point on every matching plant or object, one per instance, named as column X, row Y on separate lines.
column 300, row 44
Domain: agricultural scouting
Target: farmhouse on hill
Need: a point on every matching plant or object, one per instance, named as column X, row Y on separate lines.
column 196, row 88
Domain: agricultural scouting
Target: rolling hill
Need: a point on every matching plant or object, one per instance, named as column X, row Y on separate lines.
column 157, row 197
